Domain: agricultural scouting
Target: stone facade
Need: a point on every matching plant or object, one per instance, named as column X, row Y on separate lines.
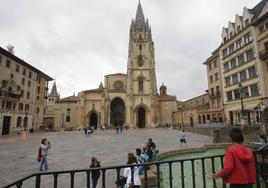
column 130, row 98
column 23, row 91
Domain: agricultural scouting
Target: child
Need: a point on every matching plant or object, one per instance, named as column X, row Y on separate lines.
column 95, row 174
column 239, row 166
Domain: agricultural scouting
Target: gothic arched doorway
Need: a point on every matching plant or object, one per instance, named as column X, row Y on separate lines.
column 141, row 118
column 93, row 120
column 117, row 116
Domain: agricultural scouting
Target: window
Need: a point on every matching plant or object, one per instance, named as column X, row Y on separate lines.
column 235, row 78
column 241, row 59
column 224, row 53
column 216, row 76
column 224, row 39
column 231, row 34
column 37, row 110
column 217, row 90
column 252, row 72
column 246, row 22
column 229, row 95
column 30, row 74
column 211, row 78
column 226, row 67
column 0, row 60
column 22, row 81
column 243, row 76
column 215, row 63
column 140, row 47
column 239, row 43
column 37, row 98
column 231, row 48
column 3, row 104
column 8, row 105
column 22, row 93
column 140, row 85
column 212, row 91
column 29, row 83
column 236, row 94
column 20, row 106
column 38, row 89
column 245, row 92
column 228, row 81
column 7, row 63
column 254, row 90
column 11, row 76
column 238, row 28
column 17, row 68
column 24, row 71
column 247, row 38
column 209, row 66
column 233, row 63
column 68, row 119
column 19, row 122
column 250, row 55
column 27, row 107
column 68, row 109
column 28, row 95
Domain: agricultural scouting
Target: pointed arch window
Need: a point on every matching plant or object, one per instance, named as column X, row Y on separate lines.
column 140, row 82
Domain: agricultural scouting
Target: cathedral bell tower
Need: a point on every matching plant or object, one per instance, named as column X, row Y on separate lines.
column 141, row 78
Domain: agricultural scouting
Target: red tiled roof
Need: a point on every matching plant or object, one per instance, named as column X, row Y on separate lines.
column 69, row 99
column 116, row 74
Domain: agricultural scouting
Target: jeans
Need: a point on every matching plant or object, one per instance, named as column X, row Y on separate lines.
column 43, row 162
column 94, row 182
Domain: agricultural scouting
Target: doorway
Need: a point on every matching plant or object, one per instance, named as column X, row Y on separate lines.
column 117, row 112
column 141, row 118
column 93, row 120
column 6, row 125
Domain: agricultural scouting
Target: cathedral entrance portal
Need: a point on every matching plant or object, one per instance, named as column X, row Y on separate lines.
column 93, row 120
column 117, row 116
column 141, row 118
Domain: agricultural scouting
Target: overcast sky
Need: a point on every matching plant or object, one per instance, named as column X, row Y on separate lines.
column 77, row 42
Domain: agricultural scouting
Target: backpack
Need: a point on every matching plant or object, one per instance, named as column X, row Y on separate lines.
column 39, row 156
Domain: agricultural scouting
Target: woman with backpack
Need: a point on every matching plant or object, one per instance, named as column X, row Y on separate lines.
column 127, row 172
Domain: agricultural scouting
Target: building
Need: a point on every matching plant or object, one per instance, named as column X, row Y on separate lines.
column 194, row 111
column 261, row 30
column 215, row 87
column 23, row 91
column 243, row 79
column 130, row 98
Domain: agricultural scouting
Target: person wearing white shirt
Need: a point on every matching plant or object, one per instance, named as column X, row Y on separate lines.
column 45, row 146
column 127, row 172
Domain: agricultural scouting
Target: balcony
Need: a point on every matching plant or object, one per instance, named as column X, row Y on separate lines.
column 9, row 95
column 263, row 55
column 213, row 96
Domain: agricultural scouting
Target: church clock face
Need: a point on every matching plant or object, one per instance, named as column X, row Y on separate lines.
column 140, row 61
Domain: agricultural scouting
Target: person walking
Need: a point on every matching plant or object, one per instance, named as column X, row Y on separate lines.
column 121, row 129
column 127, row 172
column 95, row 174
column 44, row 147
column 183, row 138
column 239, row 165
column 117, row 129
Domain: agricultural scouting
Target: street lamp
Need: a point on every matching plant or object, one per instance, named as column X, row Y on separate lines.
column 240, row 87
column 25, row 121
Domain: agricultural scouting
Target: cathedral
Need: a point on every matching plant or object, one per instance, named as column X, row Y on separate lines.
column 131, row 99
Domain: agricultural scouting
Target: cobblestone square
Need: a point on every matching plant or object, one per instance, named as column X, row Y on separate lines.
column 73, row 150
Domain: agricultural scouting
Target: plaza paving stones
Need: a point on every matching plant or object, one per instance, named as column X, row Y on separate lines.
column 73, row 150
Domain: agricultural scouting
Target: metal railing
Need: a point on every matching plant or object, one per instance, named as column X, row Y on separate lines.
column 197, row 167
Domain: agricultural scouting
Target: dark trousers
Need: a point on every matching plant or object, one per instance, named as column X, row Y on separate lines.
column 94, row 182
column 240, row 186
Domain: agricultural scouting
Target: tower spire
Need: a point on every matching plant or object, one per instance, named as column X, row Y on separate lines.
column 140, row 21
column 54, row 91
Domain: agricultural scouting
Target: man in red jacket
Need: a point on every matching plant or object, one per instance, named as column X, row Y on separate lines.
column 239, row 165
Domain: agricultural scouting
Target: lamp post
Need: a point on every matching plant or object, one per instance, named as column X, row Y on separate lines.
column 25, row 121
column 242, row 118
